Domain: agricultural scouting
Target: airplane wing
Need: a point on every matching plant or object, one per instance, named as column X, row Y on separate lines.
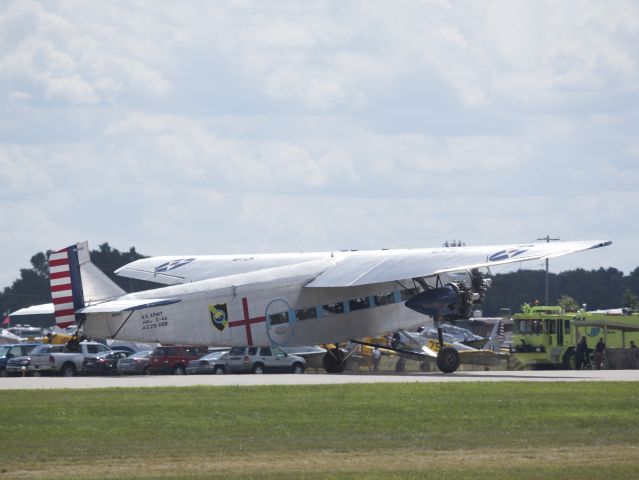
column 183, row 269
column 350, row 268
column 365, row 268
column 420, row 352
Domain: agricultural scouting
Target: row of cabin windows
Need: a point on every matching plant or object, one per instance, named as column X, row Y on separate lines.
column 352, row 305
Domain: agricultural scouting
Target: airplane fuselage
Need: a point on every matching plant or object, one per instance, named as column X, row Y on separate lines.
column 263, row 308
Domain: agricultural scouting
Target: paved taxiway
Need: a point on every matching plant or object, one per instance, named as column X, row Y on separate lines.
column 18, row 383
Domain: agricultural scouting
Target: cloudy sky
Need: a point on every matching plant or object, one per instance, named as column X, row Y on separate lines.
column 235, row 127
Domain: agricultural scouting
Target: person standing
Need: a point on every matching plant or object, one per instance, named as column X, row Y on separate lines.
column 600, row 349
column 377, row 356
column 580, row 353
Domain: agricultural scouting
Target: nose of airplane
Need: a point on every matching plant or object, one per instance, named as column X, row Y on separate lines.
column 440, row 301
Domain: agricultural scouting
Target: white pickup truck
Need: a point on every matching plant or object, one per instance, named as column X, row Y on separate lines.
column 66, row 363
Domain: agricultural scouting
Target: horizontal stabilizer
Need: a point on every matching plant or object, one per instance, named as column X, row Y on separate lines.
column 44, row 309
column 117, row 306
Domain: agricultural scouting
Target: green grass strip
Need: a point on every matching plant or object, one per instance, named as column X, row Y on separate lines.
column 150, row 425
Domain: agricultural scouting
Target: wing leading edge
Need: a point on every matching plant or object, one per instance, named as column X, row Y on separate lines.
column 365, row 268
column 184, row 269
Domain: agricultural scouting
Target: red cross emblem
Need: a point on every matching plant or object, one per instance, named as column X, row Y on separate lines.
column 247, row 322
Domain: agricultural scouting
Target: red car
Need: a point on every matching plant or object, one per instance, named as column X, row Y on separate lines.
column 173, row 358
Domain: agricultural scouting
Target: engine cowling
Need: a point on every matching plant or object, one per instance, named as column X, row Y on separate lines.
column 452, row 300
column 446, row 301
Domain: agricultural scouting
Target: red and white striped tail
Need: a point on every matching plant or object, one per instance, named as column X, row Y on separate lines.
column 66, row 285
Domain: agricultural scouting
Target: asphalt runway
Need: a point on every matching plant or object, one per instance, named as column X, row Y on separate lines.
column 29, row 383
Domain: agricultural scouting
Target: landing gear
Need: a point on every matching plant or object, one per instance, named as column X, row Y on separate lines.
column 73, row 345
column 334, row 361
column 448, row 360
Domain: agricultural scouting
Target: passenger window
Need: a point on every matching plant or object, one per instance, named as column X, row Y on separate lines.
column 101, row 348
column 252, row 351
column 306, row 313
column 359, row 303
column 384, row 299
column 265, row 352
column 333, row 308
column 278, row 318
column 92, row 349
column 236, row 351
column 278, row 352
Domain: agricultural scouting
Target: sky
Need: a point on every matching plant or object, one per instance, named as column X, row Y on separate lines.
column 201, row 127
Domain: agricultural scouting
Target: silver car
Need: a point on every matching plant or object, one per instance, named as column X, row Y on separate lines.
column 135, row 364
column 263, row 360
column 214, row 362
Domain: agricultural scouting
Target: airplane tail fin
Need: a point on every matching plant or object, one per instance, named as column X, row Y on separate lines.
column 76, row 282
column 496, row 337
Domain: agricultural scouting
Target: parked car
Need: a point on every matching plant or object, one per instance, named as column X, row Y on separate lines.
column 263, row 360
column 15, row 364
column 135, row 364
column 18, row 366
column 66, row 363
column 10, row 351
column 103, row 363
column 214, row 362
column 174, row 358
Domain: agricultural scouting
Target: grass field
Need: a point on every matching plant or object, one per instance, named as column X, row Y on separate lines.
column 464, row 430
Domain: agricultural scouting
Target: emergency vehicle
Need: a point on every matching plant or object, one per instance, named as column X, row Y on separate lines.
column 546, row 336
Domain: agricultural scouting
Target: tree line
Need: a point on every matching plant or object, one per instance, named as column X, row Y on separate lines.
column 602, row 288
column 597, row 289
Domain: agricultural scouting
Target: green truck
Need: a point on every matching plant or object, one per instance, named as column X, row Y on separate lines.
column 545, row 337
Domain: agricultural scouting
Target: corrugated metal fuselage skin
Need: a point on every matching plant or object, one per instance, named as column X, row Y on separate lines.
column 249, row 301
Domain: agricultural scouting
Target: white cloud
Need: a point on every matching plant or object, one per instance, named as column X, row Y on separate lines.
column 275, row 126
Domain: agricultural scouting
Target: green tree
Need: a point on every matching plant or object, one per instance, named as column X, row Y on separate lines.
column 568, row 304
column 630, row 300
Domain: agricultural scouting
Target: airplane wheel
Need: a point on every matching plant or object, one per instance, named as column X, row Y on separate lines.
column 333, row 361
column 448, row 360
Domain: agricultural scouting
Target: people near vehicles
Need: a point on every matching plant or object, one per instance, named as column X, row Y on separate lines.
column 633, row 344
column 580, row 353
column 400, row 366
column 377, row 356
column 600, row 349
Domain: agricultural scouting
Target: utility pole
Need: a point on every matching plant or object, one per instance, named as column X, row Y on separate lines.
column 548, row 240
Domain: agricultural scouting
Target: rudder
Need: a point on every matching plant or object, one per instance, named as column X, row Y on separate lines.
column 66, row 285
column 76, row 283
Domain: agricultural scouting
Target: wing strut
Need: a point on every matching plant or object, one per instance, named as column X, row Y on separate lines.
column 123, row 323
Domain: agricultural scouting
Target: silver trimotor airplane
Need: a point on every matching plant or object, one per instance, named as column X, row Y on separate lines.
column 286, row 299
